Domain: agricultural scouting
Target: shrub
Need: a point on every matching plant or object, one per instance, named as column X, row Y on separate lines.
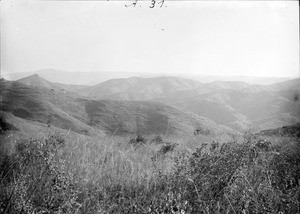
column 157, row 139
column 230, row 178
column 202, row 131
column 138, row 140
column 35, row 180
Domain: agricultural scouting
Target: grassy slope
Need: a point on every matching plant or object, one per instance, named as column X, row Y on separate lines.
column 36, row 81
column 43, row 105
column 237, row 105
column 137, row 88
column 144, row 117
column 63, row 110
column 239, row 108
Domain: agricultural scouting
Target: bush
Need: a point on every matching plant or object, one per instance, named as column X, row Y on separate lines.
column 252, row 177
column 35, row 180
column 138, row 140
column 157, row 139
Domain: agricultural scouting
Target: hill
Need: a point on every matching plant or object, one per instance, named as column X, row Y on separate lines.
column 43, row 105
column 92, row 78
column 237, row 105
column 239, row 108
column 291, row 130
column 145, row 118
column 62, row 110
column 74, row 78
column 137, row 88
column 293, row 84
column 36, row 81
column 70, row 87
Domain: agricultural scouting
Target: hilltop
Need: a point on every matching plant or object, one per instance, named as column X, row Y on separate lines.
column 36, row 81
column 137, row 88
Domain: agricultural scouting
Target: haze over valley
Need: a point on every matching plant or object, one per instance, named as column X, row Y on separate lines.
column 155, row 105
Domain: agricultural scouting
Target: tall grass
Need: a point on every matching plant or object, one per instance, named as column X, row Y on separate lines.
column 58, row 174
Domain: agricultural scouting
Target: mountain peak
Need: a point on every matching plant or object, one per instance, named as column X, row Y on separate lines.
column 36, row 81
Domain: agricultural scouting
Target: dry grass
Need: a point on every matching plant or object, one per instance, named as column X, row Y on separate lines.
column 80, row 174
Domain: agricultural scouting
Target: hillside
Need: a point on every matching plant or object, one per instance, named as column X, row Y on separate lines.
column 92, row 78
column 136, row 88
column 237, row 105
column 85, row 116
column 74, row 78
column 291, row 130
column 293, row 84
column 36, row 81
column 43, row 105
column 239, row 108
column 70, row 87
column 145, row 118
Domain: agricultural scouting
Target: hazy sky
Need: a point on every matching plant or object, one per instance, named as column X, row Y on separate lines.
column 205, row 37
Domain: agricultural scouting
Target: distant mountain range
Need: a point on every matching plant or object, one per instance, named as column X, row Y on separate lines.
column 93, row 78
column 156, row 105
column 239, row 105
column 136, row 88
column 36, row 81
column 73, row 78
column 52, row 107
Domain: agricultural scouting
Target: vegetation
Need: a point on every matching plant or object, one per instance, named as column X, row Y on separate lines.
column 53, row 175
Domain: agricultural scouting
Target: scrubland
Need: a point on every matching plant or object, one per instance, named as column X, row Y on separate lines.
column 62, row 174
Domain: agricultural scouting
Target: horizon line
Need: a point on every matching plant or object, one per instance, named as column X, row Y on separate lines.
column 145, row 73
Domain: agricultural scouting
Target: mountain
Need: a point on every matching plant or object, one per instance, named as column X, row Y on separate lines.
column 36, row 81
column 75, row 78
column 145, row 118
column 293, row 84
column 41, row 107
column 137, row 88
column 229, row 85
column 238, row 105
column 70, row 87
column 247, row 79
column 92, row 78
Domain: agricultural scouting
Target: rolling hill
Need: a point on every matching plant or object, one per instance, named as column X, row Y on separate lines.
column 239, row 109
column 52, row 108
column 43, row 105
column 234, row 104
column 145, row 118
column 74, row 78
column 92, row 78
column 36, row 80
column 137, row 88
column 293, row 84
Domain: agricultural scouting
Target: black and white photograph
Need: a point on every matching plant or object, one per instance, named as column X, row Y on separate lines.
column 149, row 107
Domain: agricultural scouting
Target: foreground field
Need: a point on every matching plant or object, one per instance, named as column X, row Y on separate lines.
column 59, row 174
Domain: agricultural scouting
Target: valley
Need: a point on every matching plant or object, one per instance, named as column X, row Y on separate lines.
column 159, row 105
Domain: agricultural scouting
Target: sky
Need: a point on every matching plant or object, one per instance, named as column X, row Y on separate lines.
column 243, row 38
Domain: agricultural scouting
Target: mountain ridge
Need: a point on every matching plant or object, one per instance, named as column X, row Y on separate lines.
column 84, row 116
